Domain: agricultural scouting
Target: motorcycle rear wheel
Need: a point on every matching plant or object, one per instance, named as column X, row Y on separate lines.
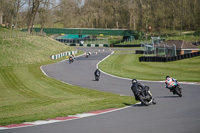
column 143, row 101
column 96, row 78
column 153, row 101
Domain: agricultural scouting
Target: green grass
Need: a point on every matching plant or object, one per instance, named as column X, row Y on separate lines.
column 128, row 65
column 29, row 50
column 28, row 95
column 3, row 29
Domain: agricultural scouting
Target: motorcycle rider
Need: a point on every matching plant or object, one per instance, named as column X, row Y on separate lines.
column 135, row 87
column 97, row 73
column 71, row 58
column 139, row 90
column 87, row 55
column 169, row 82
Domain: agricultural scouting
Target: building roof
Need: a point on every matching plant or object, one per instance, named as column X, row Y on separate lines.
column 180, row 44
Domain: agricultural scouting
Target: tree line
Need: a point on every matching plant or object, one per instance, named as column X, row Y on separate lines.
column 140, row 15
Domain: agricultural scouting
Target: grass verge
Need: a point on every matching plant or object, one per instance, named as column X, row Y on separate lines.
column 127, row 65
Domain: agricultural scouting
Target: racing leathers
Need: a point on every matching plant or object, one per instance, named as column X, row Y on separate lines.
column 169, row 82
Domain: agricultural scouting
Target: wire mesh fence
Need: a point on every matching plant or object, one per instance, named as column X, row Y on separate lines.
column 165, row 50
column 158, row 48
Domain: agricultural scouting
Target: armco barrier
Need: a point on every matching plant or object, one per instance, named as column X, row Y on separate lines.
column 90, row 45
column 63, row 54
column 103, row 45
column 167, row 59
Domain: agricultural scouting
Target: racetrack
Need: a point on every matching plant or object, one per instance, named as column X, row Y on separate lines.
column 170, row 114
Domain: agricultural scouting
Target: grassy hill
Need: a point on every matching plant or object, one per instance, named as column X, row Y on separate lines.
column 28, row 95
column 29, row 50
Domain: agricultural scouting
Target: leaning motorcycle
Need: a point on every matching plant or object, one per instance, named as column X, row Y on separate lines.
column 175, row 89
column 97, row 76
column 142, row 93
column 87, row 55
column 71, row 60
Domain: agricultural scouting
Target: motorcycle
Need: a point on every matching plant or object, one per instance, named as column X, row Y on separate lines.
column 175, row 89
column 142, row 93
column 71, row 60
column 97, row 78
column 88, row 54
column 97, row 75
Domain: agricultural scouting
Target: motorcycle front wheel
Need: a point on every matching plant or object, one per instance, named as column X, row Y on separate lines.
column 178, row 91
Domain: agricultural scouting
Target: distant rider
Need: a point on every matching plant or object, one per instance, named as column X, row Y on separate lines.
column 169, row 82
column 97, row 73
column 71, row 58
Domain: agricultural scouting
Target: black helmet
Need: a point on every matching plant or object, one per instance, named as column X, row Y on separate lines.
column 167, row 77
column 134, row 81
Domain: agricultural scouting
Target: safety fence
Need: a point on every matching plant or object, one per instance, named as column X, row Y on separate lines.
column 90, row 45
column 14, row 34
column 84, row 41
column 167, row 59
column 68, row 53
column 86, row 31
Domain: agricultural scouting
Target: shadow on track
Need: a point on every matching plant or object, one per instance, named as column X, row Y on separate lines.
column 134, row 105
column 167, row 97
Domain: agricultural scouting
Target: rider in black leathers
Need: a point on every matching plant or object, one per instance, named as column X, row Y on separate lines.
column 97, row 73
column 135, row 87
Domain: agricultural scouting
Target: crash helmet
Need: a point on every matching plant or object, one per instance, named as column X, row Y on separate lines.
column 167, row 77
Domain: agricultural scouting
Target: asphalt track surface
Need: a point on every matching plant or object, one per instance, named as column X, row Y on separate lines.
column 171, row 114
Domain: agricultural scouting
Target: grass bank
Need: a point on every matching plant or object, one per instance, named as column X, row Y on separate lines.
column 126, row 64
column 28, row 95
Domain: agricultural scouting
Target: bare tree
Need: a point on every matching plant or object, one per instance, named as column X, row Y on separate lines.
column 44, row 13
column 19, row 4
column 33, row 9
column 127, row 14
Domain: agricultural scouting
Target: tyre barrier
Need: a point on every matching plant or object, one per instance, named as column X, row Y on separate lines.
column 139, row 51
column 143, row 52
column 168, row 59
column 126, row 45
